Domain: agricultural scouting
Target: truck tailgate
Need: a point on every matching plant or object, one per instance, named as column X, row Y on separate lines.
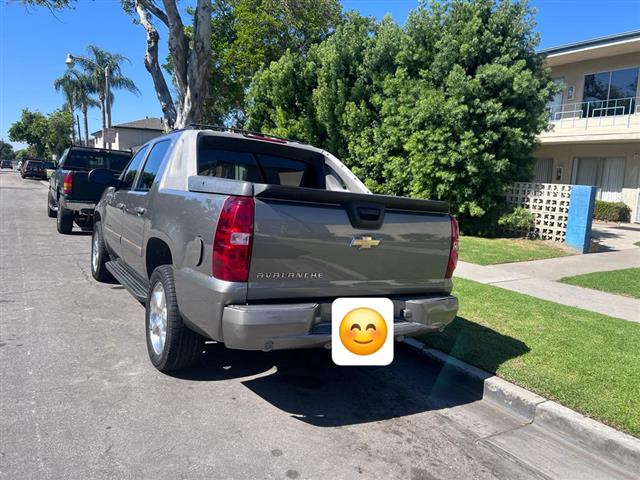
column 82, row 189
column 314, row 243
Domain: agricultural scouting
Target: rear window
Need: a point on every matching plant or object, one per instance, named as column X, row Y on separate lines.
column 258, row 167
column 88, row 160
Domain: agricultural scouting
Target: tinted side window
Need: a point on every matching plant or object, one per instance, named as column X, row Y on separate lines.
column 152, row 165
column 228, row 164
column 129, row 175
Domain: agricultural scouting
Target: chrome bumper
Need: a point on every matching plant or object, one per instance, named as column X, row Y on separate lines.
column 78, row 206
column 308, row 325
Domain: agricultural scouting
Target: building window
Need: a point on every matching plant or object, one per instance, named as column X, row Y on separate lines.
column 605, row 173
column 610, row 93
column 543, row 170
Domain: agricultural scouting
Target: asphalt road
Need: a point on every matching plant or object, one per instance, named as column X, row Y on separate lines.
column 80, row 400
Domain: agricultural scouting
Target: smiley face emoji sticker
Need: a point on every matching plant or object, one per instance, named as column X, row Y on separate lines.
column 363, row 331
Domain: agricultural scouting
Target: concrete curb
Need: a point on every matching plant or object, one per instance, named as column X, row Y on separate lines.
column 619, row 447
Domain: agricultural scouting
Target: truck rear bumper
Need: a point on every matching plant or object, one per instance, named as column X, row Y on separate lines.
column 78, row 205
column 308, row 325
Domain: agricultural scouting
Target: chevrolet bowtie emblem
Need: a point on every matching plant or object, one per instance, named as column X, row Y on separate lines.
column 364, row 242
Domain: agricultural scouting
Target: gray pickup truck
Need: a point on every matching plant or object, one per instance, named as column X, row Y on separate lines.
column 246, row 239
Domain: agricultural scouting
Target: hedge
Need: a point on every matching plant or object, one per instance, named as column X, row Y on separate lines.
column 612, row 211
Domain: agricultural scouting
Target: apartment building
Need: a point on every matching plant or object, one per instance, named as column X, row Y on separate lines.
column 594, row 132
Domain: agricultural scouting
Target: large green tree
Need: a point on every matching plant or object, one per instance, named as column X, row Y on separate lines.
column 447, row 107
column 45, row 135
column 6, row 151
column 247, row 35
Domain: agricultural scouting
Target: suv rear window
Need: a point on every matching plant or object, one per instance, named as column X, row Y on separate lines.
column 88, row 160
column 257, row 164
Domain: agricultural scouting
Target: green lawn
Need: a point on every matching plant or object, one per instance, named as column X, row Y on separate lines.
column 489, row 251
column 586, row 361
column 623, row 282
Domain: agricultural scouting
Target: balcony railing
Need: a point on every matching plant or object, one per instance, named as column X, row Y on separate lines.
column 619, row 112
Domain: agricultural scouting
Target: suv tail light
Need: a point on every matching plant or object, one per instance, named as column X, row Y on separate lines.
column 67, row 184
column 455, row 245
column 233, row 239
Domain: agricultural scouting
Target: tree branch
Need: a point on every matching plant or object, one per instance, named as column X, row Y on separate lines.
column 153, row 65
column 154, row 10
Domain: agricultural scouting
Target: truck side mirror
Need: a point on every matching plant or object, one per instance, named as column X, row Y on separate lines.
column 102, row 176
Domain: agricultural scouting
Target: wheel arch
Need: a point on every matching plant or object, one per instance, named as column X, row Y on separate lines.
column 157, row 252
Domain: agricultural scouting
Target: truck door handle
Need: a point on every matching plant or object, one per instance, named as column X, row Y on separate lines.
column 140, row 211
column 120, row 206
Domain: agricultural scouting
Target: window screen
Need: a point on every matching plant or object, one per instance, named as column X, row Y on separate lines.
column 152, row 165
column 130, row 173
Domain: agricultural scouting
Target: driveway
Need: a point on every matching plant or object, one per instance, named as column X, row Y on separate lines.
column 80, row 399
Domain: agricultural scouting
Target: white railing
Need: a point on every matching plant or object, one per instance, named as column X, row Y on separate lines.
column 620, row 112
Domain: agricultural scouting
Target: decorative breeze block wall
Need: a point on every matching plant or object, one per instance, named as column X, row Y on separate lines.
column 550, row 204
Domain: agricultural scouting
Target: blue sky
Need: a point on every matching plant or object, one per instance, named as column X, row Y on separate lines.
column 34, row 44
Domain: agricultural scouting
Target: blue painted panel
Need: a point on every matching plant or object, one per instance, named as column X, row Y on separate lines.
column 581, row 205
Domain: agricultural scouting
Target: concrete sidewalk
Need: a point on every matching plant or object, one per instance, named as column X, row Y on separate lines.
column 557, row 268
column 530, row 280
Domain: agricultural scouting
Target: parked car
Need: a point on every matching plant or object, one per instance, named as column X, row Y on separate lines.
column 71, row 196
column 6, row 164
column 246, row 239
column 33, row 169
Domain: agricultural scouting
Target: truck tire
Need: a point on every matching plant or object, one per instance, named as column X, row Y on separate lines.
column 51, row 213
column 65, row 220
column 99, row 256
column 170, row 343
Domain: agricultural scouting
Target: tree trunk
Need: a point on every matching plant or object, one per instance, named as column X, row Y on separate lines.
column 191, row 102
column 73, row 126
column 103, row 119
column 153, row 67
column 85, row 120
column 190, row 65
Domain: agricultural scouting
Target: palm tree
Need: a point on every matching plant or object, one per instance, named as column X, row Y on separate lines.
column 69, row 89
column 94, row 65
column 80, row 88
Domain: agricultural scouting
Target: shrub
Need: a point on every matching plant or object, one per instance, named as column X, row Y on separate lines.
column 519, row 219
column 612, row 211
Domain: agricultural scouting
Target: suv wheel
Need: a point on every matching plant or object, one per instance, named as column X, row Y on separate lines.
column 51, row 213
column 171, row 345
column 99, row 256
column 65, row 220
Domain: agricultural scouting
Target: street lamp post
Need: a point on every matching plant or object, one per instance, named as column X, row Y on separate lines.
column 70, row 61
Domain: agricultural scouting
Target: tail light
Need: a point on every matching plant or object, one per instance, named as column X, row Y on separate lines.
column 455, row 245
column 233, row 239
column 67, row 184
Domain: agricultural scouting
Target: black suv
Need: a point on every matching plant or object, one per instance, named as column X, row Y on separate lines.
column 6, row 164
column 33, row 169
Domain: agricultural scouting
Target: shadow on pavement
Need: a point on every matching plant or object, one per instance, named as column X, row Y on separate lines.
column 310, row 387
